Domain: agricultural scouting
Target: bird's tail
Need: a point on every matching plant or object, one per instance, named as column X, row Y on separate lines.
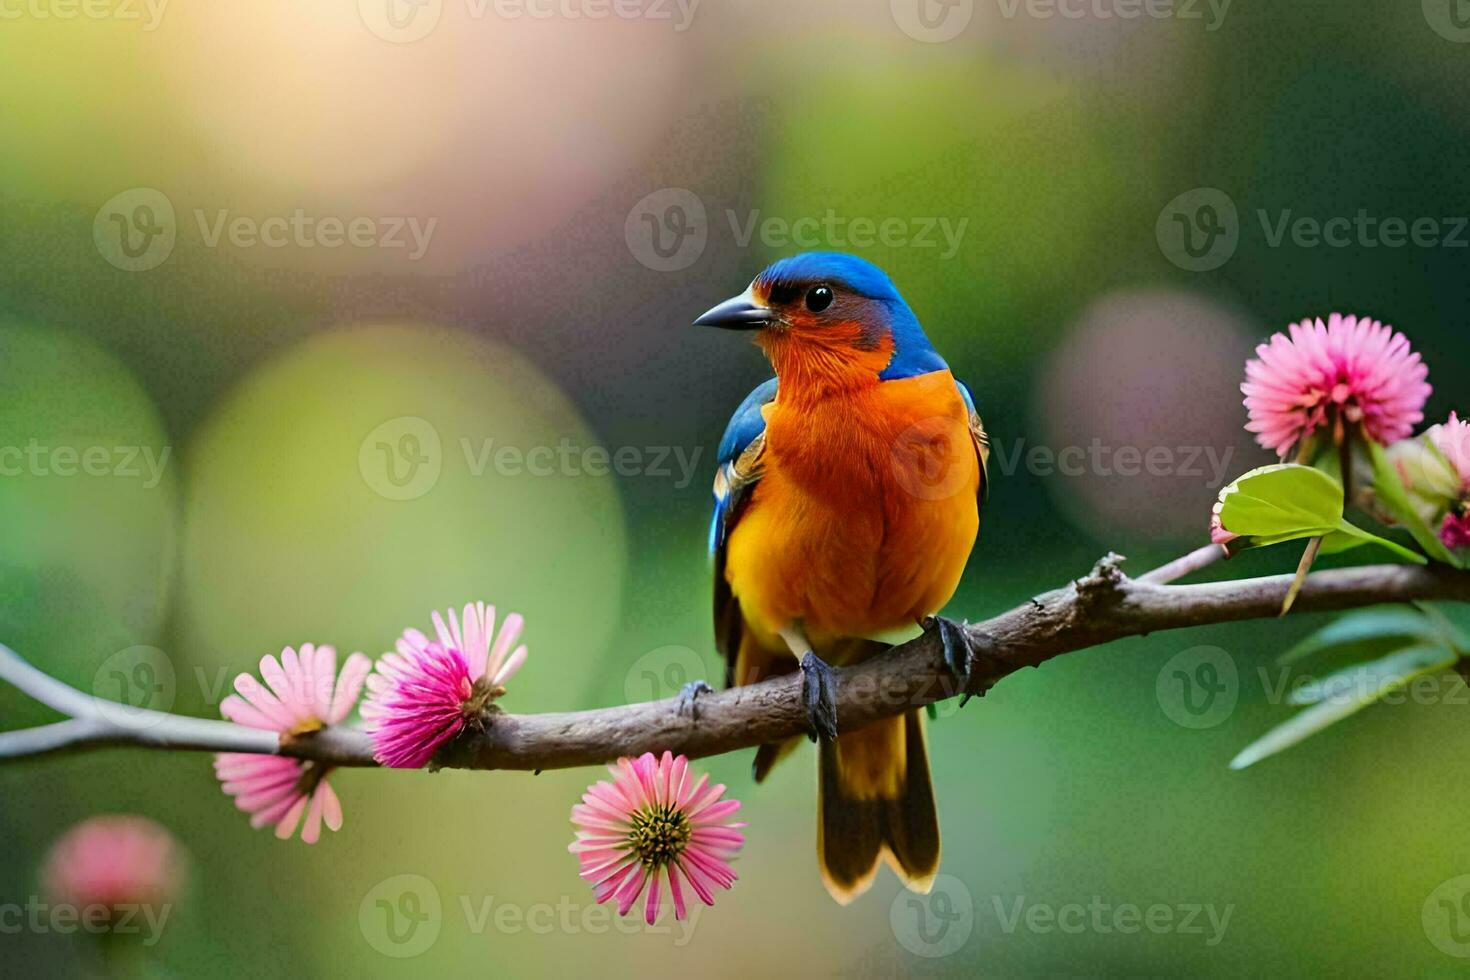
column 875, row 802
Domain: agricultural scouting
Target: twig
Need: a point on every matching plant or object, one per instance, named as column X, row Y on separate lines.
column 1102, row 606
column 1199, row 558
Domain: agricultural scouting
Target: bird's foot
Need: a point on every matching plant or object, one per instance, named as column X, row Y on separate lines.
column 956, row 646
column 819, row 697
column 688, row 699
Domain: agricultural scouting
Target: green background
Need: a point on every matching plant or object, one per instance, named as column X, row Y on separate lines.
column 530, row 320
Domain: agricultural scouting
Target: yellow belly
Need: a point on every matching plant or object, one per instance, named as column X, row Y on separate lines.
column 863, row 518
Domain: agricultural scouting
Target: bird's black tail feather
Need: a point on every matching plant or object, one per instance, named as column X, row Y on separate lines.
column 876, row 803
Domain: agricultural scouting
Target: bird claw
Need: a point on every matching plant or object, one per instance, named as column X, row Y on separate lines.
column 819, row 697
column 956, row 644
column 688, row 699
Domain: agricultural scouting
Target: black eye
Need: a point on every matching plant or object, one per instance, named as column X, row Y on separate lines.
column 818, row 298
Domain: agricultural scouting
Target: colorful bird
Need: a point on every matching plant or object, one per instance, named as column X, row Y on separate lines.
column 847, row 501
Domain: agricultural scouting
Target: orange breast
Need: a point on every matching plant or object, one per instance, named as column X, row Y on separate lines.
column 865, row 513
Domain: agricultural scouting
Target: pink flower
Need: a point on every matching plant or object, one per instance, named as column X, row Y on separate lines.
column 114, row 860
column 1218, row 534
column 305, row 694
column 1455, row 531
column 1350, row 372
column 1452, row 438
column 654, row 827
column 423, row 695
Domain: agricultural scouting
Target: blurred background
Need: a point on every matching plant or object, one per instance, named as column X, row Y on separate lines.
column 377, row 307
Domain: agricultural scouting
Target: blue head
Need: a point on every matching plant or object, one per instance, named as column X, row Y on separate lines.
column 835, row 304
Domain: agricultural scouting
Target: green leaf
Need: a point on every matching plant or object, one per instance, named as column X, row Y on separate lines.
column 1365, row 628
column 1343, row 694
column 1350, row 682
column 1289, row 502
column 1281, row 501
column 1395, row 499
column 1338, row 541
column 1364, row 537
column 1444, row 617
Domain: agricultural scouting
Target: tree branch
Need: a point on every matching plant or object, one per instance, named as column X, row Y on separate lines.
column 1100, row 607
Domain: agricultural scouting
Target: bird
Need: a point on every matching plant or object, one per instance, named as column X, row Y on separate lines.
column 847, row 501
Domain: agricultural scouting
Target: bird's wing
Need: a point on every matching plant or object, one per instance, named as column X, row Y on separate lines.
column 980, row 438
column 741, row 459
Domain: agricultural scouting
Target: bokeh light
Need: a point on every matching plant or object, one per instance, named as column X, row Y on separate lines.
column 1139, row 414
column 88, row 504
column 377, row 473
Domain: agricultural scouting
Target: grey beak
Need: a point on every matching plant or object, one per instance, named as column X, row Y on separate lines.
column 739, row 313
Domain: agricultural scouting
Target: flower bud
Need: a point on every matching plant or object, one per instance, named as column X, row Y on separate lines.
column 1435, row 470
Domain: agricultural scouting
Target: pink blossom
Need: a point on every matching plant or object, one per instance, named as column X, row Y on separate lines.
column 1452, row 438
column 654, row 829
column 1455, row 531
column 424, row 694
column 1448, row 481
column 1218, row 534
column 114, row 860
column 304, row 694
column 1349, row 373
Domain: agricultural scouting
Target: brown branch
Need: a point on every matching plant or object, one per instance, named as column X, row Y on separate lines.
column 1100, row 607
column 1197, row 559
